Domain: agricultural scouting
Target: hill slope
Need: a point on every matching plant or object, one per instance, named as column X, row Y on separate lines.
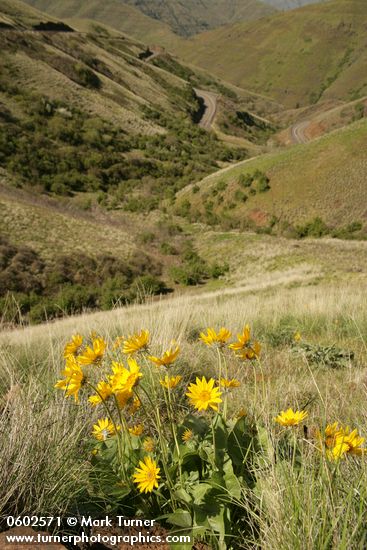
column 156, row 20
column 290, row 4
column 189, row 17
column 324, row 178
column 87, row 127
column 115, row 13
column 277, row 55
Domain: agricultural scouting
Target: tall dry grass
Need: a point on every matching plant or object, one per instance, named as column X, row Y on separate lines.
column 43, row 465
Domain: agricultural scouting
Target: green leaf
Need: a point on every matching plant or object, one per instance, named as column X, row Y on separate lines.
column 182, row 495
column 181, row 518
column 221, row 524
column 232, row 483
column 242, row 445
column 197, row 424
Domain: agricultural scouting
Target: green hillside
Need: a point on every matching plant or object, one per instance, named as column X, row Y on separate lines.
column 286, row 190
column 155, row 21
column 277, row 55
column 92, row 140
column 189, row 17
column 115, row 13
column 290, row 4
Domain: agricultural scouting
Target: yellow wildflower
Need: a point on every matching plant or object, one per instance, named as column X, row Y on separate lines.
column 135, row 405
column 72, row 347
column 291, row 418
column 93, row 355
column 146, row 477
column 203, row 394
column 242, row 338
column 170, row 382
column 167, row 358
column 73, row 380
column 212, row 337
column 250, row 352
column 148, row 445
column 328, row 437
column 346, row 442
column 104, row 391
column 187, row 435
column 297, row 336
column 136, row 342
column 123, row 379
column 137, row 430
column 103, row 429
column 229, row 384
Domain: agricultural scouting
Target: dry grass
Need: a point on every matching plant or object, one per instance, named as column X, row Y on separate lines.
column 271, row 67
column 325, row 178
column 43, row 431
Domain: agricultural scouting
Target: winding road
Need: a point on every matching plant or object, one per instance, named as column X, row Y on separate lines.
column 298, row 132
column 210, row 101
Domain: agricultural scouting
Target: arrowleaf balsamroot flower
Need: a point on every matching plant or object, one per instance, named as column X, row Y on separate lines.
column 148, row 445
column 250, row 352
column 203, row 394
column 213, row 337
column 103, row 429
column 137, row 430
column 146, row 477
column 229, row 384
column 74, row 378
column 346, row 442
column 170, row 382
column 135, row 406
column 187, row 435
column 93, row 355
column 327, row 438
column 290, row 417
column 72, row 347
column 243, row 339
column 136, row 342
column 167, row 358
column 104, row 391
column 124, row 380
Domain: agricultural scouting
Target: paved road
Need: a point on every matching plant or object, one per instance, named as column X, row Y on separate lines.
column 298, row 132
column 210, row 102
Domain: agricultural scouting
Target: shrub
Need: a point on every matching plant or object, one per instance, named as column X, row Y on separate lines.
column 316, row 228
column 86, row 77
column 245, row 180
column 168, row 248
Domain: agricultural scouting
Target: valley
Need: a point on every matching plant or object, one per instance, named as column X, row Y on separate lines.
column 131, row 134
column 183, row 270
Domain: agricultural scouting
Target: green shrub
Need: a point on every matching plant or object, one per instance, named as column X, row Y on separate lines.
column 245, row 180
column 316, row 228
column 86, row 77
column 351, row 231
column 168, row 248
column 221, row 185
column 218, row 270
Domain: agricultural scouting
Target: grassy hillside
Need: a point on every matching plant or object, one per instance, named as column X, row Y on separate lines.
column 115, row 13
column 156, row 21
column 291, row 4
column 190, row 17
column 88, row 127
column 325, row 178
column 46, row 438
column 327, row 41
